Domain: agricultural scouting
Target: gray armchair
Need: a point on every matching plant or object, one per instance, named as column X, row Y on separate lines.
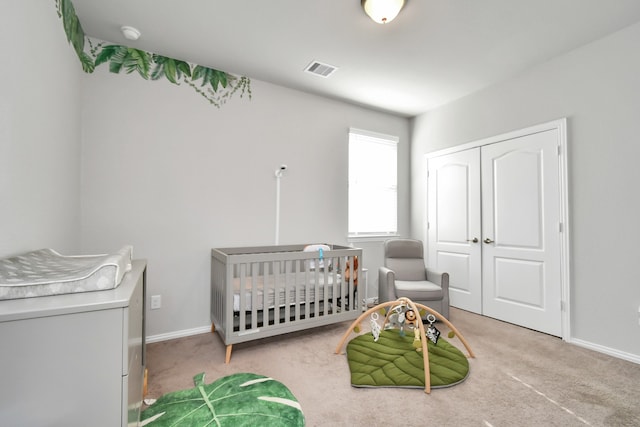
column 405, row 275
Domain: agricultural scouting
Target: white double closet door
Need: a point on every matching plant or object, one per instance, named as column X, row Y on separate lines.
column 494, row 223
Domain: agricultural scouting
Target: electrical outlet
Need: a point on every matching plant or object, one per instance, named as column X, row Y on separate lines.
column 156, row 302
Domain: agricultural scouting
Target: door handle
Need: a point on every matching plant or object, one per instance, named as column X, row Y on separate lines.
column 488, row 240
column 475, row 240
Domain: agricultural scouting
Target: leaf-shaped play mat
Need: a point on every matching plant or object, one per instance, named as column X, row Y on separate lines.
column 236, row 400
column 393, row 361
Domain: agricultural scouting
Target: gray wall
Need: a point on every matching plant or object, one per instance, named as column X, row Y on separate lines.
column 598, row 89
column 39, row 131
column 168, row 173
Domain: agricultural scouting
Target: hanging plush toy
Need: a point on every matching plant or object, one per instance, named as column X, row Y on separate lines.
column 401, row 321
column 392, row 320
column 417, row 342
column 410, row 318
column 411, row 321
column 432, row 332
column 375, row 326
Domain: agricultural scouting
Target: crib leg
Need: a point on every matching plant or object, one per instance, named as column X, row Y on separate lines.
column 228, row 357
column 144, row 383
column 213, row 327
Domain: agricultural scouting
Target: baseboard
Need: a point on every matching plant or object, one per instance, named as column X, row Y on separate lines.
column 606, row 350
column 178, row 334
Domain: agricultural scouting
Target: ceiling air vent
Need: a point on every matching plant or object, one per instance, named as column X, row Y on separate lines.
column 320, row 69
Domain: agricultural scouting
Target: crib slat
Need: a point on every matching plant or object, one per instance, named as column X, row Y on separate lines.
column 301, row 272
column 267, row 275
column 243, row 298
column 331, row 291
column 287, row 291
column 278, row 290
column 254, row 295
column 307, row 292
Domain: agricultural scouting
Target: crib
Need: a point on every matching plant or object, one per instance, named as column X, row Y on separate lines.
column 263, row 291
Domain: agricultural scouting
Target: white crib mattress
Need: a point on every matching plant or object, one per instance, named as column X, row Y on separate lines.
column 296, row 293
column 45, row 272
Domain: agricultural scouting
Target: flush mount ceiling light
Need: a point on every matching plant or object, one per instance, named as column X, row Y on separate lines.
column 130, row 33
column 382, row 11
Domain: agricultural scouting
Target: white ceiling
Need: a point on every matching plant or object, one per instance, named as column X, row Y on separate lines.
column 434, row 52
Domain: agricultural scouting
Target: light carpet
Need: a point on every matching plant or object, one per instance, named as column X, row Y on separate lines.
column 518, row 378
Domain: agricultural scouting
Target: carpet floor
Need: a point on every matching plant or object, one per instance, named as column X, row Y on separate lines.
column 518, row 378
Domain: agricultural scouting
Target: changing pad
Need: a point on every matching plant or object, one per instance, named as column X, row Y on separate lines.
column 45, row 272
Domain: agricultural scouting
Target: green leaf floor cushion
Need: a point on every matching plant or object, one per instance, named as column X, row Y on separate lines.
column 393, row 361
column 236, row 400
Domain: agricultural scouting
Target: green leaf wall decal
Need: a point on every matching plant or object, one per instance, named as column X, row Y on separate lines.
column 170, row 68
column 211, row 76
column 72, row 27
column 216, row 86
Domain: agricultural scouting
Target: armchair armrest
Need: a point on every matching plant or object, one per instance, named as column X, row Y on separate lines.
column 386, row 288
column 438, row 278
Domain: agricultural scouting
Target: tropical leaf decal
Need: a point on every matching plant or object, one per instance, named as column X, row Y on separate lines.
column 123, row 57
column 216, row 86
column 88, row 65
column 211, row 76
column 237, row 400
column 170, row 68
column 72, row 27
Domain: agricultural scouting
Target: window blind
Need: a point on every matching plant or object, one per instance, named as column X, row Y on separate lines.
column 373, row 183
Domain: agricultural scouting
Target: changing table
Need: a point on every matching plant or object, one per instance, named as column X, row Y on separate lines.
column 75, row 359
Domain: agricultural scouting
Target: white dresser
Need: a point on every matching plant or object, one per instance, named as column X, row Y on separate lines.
column 75, row 359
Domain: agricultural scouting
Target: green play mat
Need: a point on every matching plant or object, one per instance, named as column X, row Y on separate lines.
column 393, row 361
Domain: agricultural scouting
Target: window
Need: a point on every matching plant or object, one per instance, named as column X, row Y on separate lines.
column 373, row 184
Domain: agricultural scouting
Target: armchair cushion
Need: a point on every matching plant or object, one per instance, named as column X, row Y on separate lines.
column 407, row 268
column 419, row 290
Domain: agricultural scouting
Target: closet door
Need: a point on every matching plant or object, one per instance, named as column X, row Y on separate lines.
column 454, row 225
column 521, row 261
